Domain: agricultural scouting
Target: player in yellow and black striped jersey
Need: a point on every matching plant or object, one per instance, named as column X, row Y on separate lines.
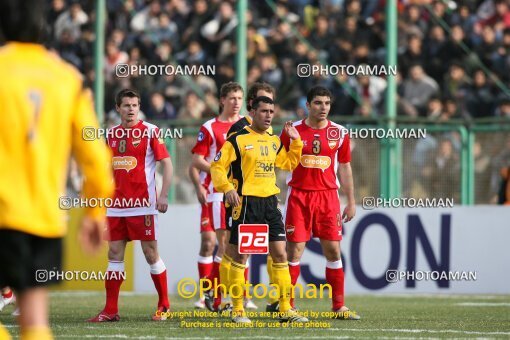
column 44, row 111
column 253, row 197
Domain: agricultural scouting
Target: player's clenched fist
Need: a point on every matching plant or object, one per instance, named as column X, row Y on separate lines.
column 162, row 204
column 232, row 198
column 290, row 130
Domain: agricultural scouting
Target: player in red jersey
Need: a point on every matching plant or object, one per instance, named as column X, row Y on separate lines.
column 211, row 137
column 313, row 205
column 136, row 149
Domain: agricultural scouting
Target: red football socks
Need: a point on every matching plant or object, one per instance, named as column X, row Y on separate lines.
column 295, row 270
column 335, row 277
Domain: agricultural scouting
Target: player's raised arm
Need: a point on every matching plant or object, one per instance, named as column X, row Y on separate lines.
column 289, row 160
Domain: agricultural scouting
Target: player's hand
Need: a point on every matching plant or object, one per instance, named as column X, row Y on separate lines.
column 201, row 194
column 349, row 212
column 232, row 198
column 290, row 130
column 162, row 204
column 91, row 234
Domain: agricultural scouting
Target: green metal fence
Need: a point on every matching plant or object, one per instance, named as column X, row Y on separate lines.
column 452, row 161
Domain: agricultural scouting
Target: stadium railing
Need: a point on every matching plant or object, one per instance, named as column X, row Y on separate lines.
column 470, row 175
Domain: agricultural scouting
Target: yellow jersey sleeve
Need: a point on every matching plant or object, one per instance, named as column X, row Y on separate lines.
column 289, row 160
column 92, row 156
column 220, row 166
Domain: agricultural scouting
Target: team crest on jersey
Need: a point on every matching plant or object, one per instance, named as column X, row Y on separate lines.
column 218, row 156
column 136, row 142
column 332, row 144
column 290, row 229
column 200, row 136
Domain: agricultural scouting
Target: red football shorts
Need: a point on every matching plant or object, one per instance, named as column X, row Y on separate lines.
column 217, row 215
column 143, row 228
column 312, row 214
column 205, row 221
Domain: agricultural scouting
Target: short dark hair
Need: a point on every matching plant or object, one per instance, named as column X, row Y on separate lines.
column 23, row 21
column 126, row 93
column 256, row 87
column 318, row 91
column 262, row 99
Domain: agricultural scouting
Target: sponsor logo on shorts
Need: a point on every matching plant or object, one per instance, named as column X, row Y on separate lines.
column 317, row 162
column 290, row 229
column 127, row 163
column 253, row 239
column 205, row 221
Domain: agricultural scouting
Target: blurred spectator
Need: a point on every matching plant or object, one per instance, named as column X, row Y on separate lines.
column 414, row 54
column 434, row 108
column 479, row 98
column 442, row 172
column 456, row 81
column 113, row 57
column 451, row 110
column 159, row 108
column 220, row 28
column 271, row 73
column 194, row 54
column 320, row 37
column 147, row 19
column 193, row 107
column 482, row 173
column 503, row 109
column 71, row 20
column 419, row 87
column 370, row 90
column 196, row 18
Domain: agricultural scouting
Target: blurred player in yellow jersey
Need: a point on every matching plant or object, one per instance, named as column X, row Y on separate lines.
column 45, row 108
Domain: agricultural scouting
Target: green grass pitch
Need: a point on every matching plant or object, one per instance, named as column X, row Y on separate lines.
column 397, row 316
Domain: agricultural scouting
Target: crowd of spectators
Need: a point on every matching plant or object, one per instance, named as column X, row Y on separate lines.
column 453, row 59
column 453, row 56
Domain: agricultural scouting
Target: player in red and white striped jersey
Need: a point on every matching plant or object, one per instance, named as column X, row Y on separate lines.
column 136, row 148
column 313, row 205
column 211, row 137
